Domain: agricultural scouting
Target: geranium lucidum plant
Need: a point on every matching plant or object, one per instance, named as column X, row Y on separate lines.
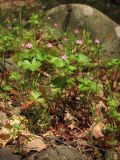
column 56, row 75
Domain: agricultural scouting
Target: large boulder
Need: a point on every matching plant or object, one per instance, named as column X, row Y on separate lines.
column 83, row 17
column 57, row 153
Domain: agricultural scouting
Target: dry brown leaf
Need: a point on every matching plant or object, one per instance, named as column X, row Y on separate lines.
column 36, row 144
column 26, row 105
column 48, row 134
column 101, row 105
column 70, row 121
column 14, row 92
column 3, row 117
column 83, row 133
column 96, row 130
column 5, row 137
column 7, row 132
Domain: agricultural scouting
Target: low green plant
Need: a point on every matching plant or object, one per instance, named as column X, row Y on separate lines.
column 56, row 75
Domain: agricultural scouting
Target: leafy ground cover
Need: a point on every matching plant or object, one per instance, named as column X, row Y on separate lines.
column 59, row 87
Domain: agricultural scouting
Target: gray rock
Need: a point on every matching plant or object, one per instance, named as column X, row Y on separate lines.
column 83, row 17
column 9, row 65
column 6, row 154
column 58, row 153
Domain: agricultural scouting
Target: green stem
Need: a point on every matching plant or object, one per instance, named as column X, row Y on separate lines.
column 20, row 21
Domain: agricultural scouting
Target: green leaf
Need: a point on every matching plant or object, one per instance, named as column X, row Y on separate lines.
column 55, row 91
column 34, row 95
column 34, row 19
column 24, row 64
column 70, row 81
column 57, row 62
column 41, row 101
column 114, row 62
column 83, row 59
column 60, row 82
column 32, row 66
column 88, row 85
column 6, row 88
column 14, row 76
column 113, row 103
column 16, row 126
column 72, row 68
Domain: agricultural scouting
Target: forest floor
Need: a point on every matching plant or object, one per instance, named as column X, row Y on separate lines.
column 59, row 134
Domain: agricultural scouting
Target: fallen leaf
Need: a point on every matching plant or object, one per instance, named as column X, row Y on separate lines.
column 3, row 117
column 5, row 137
column 14, row 92
column 9, row 131
column 26, row 104
column 36, row 144
column 70, row 121
column 48, row 134
column 96, row 130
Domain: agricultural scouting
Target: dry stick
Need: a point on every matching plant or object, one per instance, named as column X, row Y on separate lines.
column 3, row 74
column 115, row 77
column 82, row 132
column 67, row 97
column 105, row 150
column 2, row 77
column 64, row 106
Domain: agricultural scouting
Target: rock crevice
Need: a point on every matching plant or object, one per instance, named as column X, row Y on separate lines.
column 67, row 18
